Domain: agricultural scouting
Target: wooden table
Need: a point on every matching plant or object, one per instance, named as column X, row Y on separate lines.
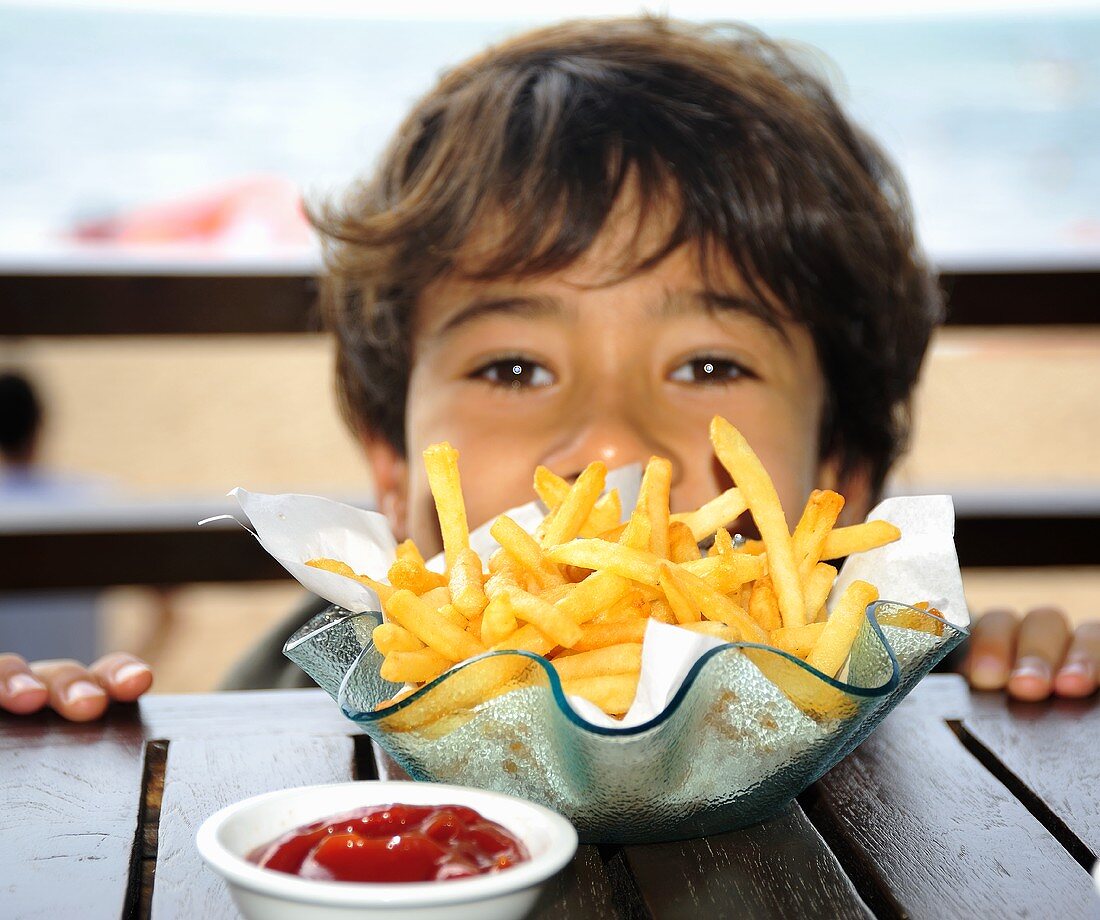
column 958, row 806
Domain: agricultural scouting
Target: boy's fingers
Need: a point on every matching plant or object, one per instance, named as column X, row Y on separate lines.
column 124, row 676
column 74, row 691
column 1040, row 649
column 992, row 650
column 20, row 691
column 1080, row 671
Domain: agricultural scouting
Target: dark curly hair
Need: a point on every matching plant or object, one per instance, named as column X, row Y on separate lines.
column 538, row 136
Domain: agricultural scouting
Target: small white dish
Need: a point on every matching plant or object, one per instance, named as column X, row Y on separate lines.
column 228, row 836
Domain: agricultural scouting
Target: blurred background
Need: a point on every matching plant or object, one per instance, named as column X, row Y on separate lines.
column 156, row 293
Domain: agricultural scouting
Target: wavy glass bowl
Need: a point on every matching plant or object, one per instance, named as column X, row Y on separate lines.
column 730, row 749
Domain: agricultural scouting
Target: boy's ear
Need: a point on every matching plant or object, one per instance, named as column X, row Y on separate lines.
column 854, row 485
column 391, row 479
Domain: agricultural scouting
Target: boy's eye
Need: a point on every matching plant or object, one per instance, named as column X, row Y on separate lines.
column 708, row 370
column 515, row 373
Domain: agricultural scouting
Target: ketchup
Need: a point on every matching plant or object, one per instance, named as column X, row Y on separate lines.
column 394, row 843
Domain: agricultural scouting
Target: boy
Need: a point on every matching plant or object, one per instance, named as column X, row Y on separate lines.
column 584, row 243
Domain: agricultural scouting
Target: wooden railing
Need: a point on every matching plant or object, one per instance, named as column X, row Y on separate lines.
column 1012, row 528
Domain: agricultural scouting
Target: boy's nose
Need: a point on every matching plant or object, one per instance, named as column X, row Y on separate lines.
column 614, row 440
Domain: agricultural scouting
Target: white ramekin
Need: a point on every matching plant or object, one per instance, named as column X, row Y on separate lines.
column 225, row 838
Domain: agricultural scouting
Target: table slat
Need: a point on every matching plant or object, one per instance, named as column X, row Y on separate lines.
column 926, row 831
column 779, row 868
column 68, row 819
column 1051, row 748
column 287, row 713
column 582, row 890
column 202, row 776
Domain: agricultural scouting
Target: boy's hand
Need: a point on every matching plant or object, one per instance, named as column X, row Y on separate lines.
column 1034, row 657
column 77, row 693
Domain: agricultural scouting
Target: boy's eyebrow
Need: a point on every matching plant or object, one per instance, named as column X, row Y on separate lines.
column 715, row 301
column 526, row 306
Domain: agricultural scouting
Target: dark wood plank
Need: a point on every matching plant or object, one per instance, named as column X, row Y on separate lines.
column 155, row 304
column 924, row 830
column 1021, row 298
column 69, row 803
column 293, row 713
column 156, row 557
column 168, row 557
column 203, row 775
column 1051, row 748
column 944, row 696
column 137, row 303
column 582, row 890
column 777, row 869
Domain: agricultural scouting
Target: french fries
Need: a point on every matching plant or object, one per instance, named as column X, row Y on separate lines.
column 581, row 589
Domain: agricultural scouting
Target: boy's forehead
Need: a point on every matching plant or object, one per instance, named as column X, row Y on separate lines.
column 688, row 277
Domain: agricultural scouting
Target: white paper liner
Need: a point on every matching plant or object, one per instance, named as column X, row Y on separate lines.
column 921, row 566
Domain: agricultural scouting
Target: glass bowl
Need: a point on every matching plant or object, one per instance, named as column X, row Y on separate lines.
column 731, row 748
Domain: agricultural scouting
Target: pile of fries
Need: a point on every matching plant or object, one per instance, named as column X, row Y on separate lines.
column 581, row 589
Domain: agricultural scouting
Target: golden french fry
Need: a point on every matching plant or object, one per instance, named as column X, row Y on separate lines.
column 437, row 597
column 550, row 487
column 832, row 647
column 612, row 693
column 681, row 543
column 858, row 538
column 498, row 622
column 333, row 565
column 818, row 518
column 661, row 611
column 600, row 635
column 732, row 570
column 574, row 510
column 409, row 550
column 654, row 497
column 414, row 667
column 546, row 617
column 716, row 629
column 526, row 551
column 909, row 618
column 748, row 474
column 683, row 607
column 410, row 575
column 605, row 514
column 635, row 603
column 818, row 586
column 595, row 554
column 465, row 582
column 431, row 628
column 611, row 659
column 509, row 578
column 718, row 512
column 452, row 615
column 723, row 542
column 441, row 463
column 389, row 637
column 528, row 638
column 613, row 534
column 596, row 593
column 716, row 606
column 342, row 568
column 797, row 640
column 764, row 606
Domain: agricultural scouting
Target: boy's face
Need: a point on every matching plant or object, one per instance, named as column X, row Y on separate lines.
column 559, row 371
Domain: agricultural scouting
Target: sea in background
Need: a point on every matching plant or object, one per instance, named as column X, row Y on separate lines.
column 994, row 121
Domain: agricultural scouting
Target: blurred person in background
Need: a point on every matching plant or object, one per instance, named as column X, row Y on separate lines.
column 57, row 623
